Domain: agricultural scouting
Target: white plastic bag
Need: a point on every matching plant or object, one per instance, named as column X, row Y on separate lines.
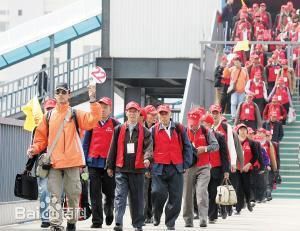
column 291, row 115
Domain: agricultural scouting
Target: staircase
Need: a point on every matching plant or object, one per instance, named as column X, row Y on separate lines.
column 289, row 150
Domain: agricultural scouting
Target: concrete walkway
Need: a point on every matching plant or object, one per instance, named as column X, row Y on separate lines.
column 277, row 215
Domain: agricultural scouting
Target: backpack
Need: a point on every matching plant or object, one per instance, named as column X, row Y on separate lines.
column 73, row 111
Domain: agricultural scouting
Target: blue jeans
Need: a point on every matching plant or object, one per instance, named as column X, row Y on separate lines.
column 236, row 99
column 44, row 199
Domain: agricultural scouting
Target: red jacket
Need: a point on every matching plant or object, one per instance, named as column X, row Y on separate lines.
column 257, row 89
column 247, row 111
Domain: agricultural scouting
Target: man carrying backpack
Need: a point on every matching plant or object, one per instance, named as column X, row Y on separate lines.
column 172, row 156
column 96, row 145
column 59, row 135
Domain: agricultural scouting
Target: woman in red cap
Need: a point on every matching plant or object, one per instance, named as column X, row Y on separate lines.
column 251, row 154
column 275, row 106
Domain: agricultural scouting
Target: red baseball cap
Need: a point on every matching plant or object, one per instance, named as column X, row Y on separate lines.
column 240, row 126
column 194, row 117
column 134, row 105
column 284, row 61
column 280, row 80
column 150, row 109
column 261, row 130
column 49, row 103
column 268, row 133
column 275, row 98
column 143, row 113
column 263, row 4
column 215, row 107
column 250, row 130
column 208, row 119
column 106, row 101
column 164, row 107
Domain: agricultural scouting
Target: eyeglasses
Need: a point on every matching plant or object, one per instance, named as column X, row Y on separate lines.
column 60, row 91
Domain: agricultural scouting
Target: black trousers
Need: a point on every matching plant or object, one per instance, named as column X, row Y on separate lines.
column 215, row 181
column 286, row 107
column 225, row 100
column 147, row 198
column 270, row 87
column 100, row 183
column 168, row 186
column 258, row 186
column 243, row 189
column 250, row 123
column 261, row 103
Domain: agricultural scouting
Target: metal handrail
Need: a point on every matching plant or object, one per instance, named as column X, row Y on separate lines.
column 75, row 71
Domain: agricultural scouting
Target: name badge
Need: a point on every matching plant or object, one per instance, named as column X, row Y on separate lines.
column 285, row 79
column 279, row 98
column 130, row 148
column 276, row 71
column 247, row 111
column 256, row 91
column 272, row 131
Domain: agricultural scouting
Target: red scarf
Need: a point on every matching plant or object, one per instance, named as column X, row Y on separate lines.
column 139, row 159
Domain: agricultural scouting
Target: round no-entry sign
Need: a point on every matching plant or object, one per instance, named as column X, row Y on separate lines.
column 98, row 75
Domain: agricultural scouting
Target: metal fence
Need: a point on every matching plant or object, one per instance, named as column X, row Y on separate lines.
column 75, row 71
column 14, row 142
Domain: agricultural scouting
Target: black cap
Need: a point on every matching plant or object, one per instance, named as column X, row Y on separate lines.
column 63, row 86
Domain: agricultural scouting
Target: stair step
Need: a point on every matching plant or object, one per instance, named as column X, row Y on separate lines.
column 288, row 190
column 285, row 195
column 289, row 161
column 288, row 156
column 289, row 166
column 289, row 185
column 291, row 128
column 288, row 134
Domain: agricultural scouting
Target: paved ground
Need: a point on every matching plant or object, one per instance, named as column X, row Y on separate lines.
column 279, row 214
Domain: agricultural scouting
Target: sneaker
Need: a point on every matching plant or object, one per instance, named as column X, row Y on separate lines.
column 189, row 225
column 57, row 228
column 71, row 227
column 45, row 224
column 96, row 226
column 269, row 198
column 118, row 227
column 170, row 228
column 249, row 207
column 212, row 221
column 203, row 223
column 149, row 220
column 109, row 219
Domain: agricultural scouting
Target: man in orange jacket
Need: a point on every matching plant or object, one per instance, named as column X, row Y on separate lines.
column 67, row 157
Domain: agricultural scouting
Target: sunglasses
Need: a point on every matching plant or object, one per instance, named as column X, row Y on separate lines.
column 61, row 91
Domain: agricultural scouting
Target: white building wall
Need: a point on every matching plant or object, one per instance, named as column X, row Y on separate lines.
column 160, row 28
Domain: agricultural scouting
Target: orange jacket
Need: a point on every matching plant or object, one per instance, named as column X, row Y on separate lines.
column 68, row 150
column 240, row 77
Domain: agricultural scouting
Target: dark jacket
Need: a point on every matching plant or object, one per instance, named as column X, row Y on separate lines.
column 277, row 130
column 94, row 162
column 129, row 159
column 215, row 173
column 218, row 76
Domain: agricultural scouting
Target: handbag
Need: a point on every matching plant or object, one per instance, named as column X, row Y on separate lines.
column 26, row 186
column 232, row 84
column 44, row 161
column 291, row 115
column 226, row 194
